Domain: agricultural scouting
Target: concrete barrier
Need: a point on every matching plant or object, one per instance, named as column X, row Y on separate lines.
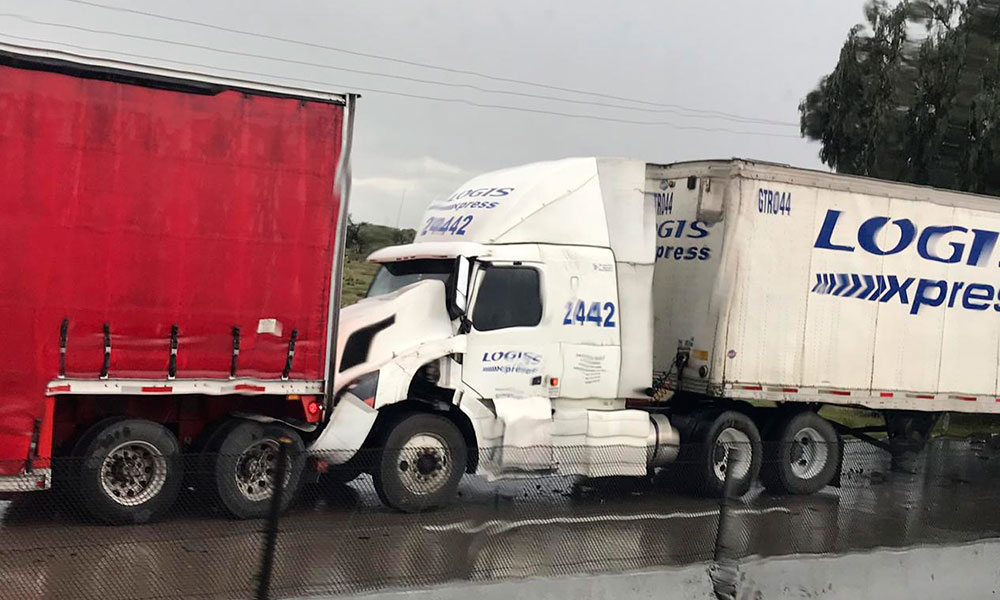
column 964, row 571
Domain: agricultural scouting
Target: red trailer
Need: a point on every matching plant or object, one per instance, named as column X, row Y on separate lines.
column 171, row 253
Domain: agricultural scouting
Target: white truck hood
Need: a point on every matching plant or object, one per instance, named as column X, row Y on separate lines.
column 375, row 330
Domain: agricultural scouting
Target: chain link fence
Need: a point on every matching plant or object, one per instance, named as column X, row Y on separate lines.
column 337, row 537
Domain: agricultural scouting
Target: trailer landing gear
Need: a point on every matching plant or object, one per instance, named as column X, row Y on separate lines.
column 908, row 433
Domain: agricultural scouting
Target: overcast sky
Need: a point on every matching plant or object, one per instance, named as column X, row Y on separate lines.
column 724, row 62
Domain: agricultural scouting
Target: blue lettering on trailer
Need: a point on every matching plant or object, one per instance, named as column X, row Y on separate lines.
column 909, row 291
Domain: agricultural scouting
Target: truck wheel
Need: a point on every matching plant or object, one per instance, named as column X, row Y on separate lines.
column 803, row 455
column 203, row 474
column 130, row 471
column 421, row 462
column 245, row 466
column 66, row 469
column 715, row 440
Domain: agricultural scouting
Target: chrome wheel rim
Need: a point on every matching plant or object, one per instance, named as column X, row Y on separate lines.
column 424, row 464
column 809, row 453
column 133, row 472
column 729, row 439
column 255, row 470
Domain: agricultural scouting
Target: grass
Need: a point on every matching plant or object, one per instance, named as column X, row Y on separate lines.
column 358, row 276
column 958, row 425
column 955, row 425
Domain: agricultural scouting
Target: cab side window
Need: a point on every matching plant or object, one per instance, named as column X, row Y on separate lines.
column 508, row 297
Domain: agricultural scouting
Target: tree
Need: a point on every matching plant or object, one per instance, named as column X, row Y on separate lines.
column 915, row 96
column 352, row 239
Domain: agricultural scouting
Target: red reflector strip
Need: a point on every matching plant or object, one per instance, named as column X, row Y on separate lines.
column 836, row 392
column 790, row 390
column 57, row 388
column 966, row 398
column 922, row 396
column 156, row 389
column 752, row 388
column 246, row 387
column 886, row 394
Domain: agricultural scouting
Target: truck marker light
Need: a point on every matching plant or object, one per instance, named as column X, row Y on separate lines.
column 554, row 382
column 293, row 397
column 886, row 395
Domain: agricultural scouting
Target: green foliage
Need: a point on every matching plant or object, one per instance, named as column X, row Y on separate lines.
column 915, row 96
column 365, row 238
column 358, row 274
column 361, row 240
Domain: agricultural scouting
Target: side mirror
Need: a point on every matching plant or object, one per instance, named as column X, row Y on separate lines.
column 458, row 301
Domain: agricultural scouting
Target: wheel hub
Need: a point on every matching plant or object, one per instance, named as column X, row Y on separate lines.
column 808, row 453
column 133, row 473
column 255, row 470
column 424, row 464
column 730, row 442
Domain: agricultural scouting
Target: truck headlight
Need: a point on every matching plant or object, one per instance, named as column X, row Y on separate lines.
column 363, row 388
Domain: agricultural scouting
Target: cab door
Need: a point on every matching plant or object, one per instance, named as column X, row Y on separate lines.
column 511, row 351
column 583, row 294
column 546, row 328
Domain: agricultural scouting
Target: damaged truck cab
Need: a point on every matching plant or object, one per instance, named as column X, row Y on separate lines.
column 507, row 339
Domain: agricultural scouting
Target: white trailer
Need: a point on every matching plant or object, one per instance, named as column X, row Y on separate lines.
column 606, row 317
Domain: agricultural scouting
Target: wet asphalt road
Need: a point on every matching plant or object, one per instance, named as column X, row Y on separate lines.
column 342, row 540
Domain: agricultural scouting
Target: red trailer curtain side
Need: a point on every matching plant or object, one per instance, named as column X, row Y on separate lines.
column 146, row 207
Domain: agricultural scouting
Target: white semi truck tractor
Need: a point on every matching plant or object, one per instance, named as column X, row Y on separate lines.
column 605, row 317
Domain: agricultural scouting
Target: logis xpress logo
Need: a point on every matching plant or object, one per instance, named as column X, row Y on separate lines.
column 948, row 244
column 511, row 361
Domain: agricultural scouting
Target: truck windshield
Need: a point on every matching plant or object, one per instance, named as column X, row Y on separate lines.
column 392, row 276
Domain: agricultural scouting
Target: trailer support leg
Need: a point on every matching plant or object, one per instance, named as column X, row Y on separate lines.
column 908, row 433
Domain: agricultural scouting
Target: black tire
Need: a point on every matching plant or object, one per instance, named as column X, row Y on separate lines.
column 130, row 471
column 66, row 468
column 203, row 474
column 245, row 466
column 802, row 456
column 709, row 454
column 413, row 479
